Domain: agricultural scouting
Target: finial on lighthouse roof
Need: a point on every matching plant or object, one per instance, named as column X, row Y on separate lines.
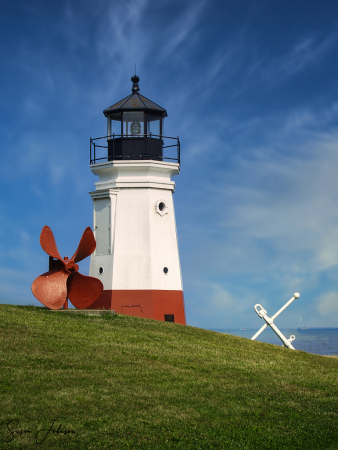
column 135, row 79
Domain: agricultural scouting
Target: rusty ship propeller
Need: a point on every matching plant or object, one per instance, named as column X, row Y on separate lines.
column 63, row 280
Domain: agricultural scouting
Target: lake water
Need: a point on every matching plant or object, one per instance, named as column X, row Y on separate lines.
column 321, row 341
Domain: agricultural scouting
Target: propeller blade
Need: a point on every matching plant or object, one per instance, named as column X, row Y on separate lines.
column 48, row 243
column 51, row 288
column 83, row 290
column 86, row 247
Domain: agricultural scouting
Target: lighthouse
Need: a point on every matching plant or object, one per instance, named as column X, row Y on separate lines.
column 136, row 255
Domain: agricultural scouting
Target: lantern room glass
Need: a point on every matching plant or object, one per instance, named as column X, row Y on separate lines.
column 133, row 124
column 114, row 125
column 154, row 125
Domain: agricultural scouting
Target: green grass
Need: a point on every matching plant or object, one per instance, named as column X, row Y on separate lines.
column 128, row 383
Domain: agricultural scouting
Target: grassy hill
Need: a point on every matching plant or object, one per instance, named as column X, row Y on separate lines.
column 128, row 383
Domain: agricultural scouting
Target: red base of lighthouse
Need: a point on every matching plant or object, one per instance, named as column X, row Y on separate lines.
column 151, row 304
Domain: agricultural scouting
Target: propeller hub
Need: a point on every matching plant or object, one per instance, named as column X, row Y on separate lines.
column 70, row 266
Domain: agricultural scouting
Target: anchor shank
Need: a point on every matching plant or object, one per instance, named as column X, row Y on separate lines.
column 281, row 336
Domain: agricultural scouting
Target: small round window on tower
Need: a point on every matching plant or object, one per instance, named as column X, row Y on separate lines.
column 101, row 270
column 161, row 208
column 165, row 270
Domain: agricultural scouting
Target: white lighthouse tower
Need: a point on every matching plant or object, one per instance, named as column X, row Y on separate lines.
column 136, row 255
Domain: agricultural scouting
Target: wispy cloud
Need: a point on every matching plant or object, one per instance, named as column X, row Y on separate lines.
column 256, row 69
column 307, row 51
column 327, row 307
column 121, row 37
column 180, row 32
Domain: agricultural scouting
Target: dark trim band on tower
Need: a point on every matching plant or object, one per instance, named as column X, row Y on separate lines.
column 146, row 149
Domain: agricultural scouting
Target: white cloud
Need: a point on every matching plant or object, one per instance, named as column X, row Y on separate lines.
column 212, row 299
column 15, row 285
column 267, row 219
column 327, row 306
column 287, row 201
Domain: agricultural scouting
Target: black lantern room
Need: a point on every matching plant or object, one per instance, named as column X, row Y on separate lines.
column 135, row 127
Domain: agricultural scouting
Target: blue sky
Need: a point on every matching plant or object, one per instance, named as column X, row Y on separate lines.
column 251, row 90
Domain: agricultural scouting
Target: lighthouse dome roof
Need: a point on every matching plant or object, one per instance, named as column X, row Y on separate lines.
column 135, row 102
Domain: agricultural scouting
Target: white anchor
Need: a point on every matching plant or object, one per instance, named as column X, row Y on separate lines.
column 269, row 322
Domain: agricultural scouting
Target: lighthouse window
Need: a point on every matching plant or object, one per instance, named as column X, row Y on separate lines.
column 165, row 270
column 161, row 208
column 114, row 124
column 133, row 123
column 101, row 270
column 154, row 125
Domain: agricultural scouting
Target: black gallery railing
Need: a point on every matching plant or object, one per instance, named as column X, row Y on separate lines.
column 127, row 147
